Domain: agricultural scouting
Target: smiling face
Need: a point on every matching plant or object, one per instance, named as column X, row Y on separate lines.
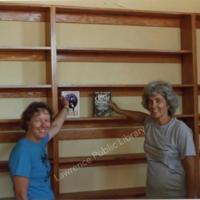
column 158, row 108
column 39, row 125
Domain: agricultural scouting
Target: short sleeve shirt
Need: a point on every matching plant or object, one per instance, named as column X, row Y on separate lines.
column 165, row 146
column 29, row 159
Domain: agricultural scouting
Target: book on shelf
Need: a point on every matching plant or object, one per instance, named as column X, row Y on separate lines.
column 101, row 104
column 74, row 103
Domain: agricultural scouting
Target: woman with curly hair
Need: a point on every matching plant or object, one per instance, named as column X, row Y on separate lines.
column 29, row 166
column 168, row 145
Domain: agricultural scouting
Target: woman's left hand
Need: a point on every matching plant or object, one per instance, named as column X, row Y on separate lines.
column 64, row 102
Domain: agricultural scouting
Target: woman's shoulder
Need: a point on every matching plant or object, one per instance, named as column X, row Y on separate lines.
column 182, row 127
column 20, row 151
column 22, row 146
column 148, row 119
column 179, row 123
column 22, row 142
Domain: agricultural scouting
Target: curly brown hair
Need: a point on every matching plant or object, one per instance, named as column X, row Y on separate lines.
column 31, row 110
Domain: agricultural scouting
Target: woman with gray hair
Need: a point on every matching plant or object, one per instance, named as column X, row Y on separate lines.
column 168, row 144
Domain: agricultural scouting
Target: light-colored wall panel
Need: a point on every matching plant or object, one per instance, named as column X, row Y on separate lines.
column 97, row 178
column 12, row 108
column 86, row 107
column 170, row 5
column 22, row 33
column 5, row 150
column 96, row 146
column 22, row 72
column 105, row 36
column 117, row 73
column 134, row 103
column 6, row 186
column 125, row 102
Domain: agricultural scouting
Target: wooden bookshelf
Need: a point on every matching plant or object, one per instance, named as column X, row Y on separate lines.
column 119, row 193
column 91, row 127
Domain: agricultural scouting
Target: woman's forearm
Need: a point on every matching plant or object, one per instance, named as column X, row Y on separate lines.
column 189, row 165
column 136, row 116
column 21, row 196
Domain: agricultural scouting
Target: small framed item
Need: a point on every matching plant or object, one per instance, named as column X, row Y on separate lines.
column 101, row 104
column 74, row 103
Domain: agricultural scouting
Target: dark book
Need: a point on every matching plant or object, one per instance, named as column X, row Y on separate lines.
column 101, row 104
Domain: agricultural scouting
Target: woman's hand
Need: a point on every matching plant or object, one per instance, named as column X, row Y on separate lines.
column 136, row 116
column 114, row 106
column 64, row 102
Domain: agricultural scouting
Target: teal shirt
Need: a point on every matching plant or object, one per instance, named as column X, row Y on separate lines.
column 29, row 159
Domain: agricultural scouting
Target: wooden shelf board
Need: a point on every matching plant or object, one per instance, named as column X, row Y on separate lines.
column 99, row 121
column 93, row 161
column 90, row 128
column 23, row 6
column 91, row 120
column 120, row 55
column 10, row 136
column 115, row 119
column 25, row 48
column 24, row 53
column 22, row 12
column 99, row 133
column 198, row 24
column 182, row 116
column 198, row 20
column 11, row 127
column 4, row 166
column 118, row 193
column 117, row 17
column 122, row 50
column 81, row 120
column 198, row 89
column 92, row 55
column 119, row 85
column 106, row 160
column 116, row 11
column 9, row 121
column 117, row 90
column 24, row 91
column 114, row 127
column 81, row 128
column 25, row 86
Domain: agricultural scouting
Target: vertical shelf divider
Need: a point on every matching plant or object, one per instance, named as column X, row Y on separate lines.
column 53, row 146
column 189, row 76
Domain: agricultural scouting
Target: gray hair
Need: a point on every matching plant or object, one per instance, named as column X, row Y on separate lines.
column 164, row 89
